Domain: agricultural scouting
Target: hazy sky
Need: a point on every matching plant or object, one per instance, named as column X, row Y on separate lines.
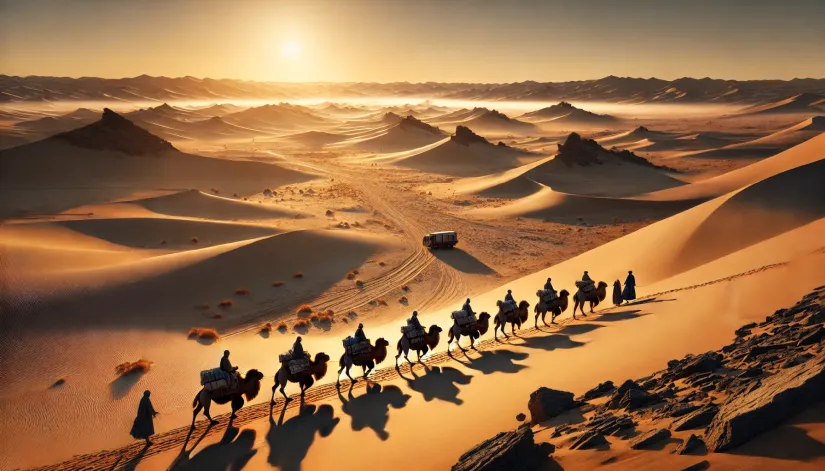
column 414, row 40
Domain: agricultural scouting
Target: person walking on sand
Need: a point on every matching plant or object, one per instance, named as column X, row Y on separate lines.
column 144, row 425
column 629, row 293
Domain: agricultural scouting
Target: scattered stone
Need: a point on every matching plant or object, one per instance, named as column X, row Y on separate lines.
column 682, row 409
column 811, row 336
column 704, row 363
column 782, row 395
column 329, row 213
column 693, row 442
column 796, row 360
column 506, row 451
column 546, row 403
column 697, row 419
column 599, row 390
column 649, row 438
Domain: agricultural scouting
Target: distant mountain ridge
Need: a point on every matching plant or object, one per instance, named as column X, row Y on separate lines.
column 608, row 89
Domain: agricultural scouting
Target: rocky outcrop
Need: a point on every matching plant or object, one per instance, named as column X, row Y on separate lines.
column 697, row 419
column 599, row 390
column 693, row 443
column 586, row 152
column 780, row 396
column 546, row 403
column 465, row 136
column 587, row 440
column 506, row 451
column 648, row 438
column 411, row 122
column 114, row 132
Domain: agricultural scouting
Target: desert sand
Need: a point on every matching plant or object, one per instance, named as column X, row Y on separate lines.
column 126, row 224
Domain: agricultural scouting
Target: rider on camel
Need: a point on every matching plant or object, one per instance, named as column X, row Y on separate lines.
column 467, row 308
column 549, row 285
column 298, row 349
column 359, row 334
column 414, row 322
column 226, row 365
column 509, row 297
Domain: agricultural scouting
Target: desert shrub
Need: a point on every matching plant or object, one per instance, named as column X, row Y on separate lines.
column 206, row 333
column 405, row 288
column 350, row 276
column 301, row 324
column 382, row 264
column 304, row 308
column 298, row 275
column 225, row 303
column 131, row 367
column 265, row 328
column 282, row 327
column 359, row 283
column 193, row 240
column 277, row 283
column 402, row 300
column 380, row 302
column 352, row 314
column 241, row 291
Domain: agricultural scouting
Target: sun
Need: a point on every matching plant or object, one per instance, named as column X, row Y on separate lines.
column 290, row 49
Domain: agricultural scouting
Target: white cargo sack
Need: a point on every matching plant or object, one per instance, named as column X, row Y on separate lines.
column 298, row 365
column 353, row 347
column 215, row 379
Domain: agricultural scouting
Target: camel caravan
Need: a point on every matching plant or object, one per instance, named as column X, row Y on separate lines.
column 224, row 385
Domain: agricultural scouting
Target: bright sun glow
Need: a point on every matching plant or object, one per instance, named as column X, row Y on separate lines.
column 290, row 49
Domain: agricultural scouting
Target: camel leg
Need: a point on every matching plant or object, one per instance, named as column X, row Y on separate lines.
column 472, row 343
column 287, row 399
column 350, row 377
column 198, row 408
column 272, row 399
column 206, row 413
column 339, row 376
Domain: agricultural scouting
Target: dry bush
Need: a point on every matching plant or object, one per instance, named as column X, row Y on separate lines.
column 382, row 264
column 359, row 283
column 202, row 306
column 352, row 314
column 298, row 275
column 277, row 283
column 241, row 291
column 193, row 240
column 355, row 272
column 350, row 276
column 403, row 300
column 282, row 327
column 225, row 303
column 266, row 328
column 380, row 302
column 304, row 308
column 301, row 324
column 60, row 382
column 163, row 242
column 205, row 333
column 405, row 288
column 131, row 367
column 345, row 320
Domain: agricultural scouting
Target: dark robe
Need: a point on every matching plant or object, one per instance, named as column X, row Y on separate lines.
column 414, row 322
column 226, row 365
column 359, row 335
column 629, row 292
column 509, row 297
column 298, row 350
column 617, row 293
column 144, row 426
column 549, row 286
column 586, row 277
column 467, row 308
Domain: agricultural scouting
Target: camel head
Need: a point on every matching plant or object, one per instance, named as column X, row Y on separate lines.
column 434, row 329
column 602, row 285
column 538, row 293
column 564, row 293
column 321, row 358
column 252, row 384
column 484, row 317
column 523, row 305
column 319, row 366
column 381, row 343
column 498, row 303
column 379, row 352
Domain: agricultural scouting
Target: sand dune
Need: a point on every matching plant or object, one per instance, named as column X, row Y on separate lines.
column 50, row 125
column 804, row 103
column 508, row 184
column 280, row 117
column 314, row 139
column 196, row 204
column 565, row 113
column 467, row 154
column 409, row 133
column 115, row 159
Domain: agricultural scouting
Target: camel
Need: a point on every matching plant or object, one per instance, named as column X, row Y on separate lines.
column 248, row 386
column 378, row 353
column 316, row 372
column 431, row 339
column 555, row 307
column 515, row 318
column 473, row 331
column 594, row 297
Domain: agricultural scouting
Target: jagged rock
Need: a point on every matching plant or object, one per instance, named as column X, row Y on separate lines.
column 599, row 390
column 628, row 385
column 692, row 443
column 702, row 465
column 649, row 438
column 796, row 360
column 811, row 336
column 634, row 399
column 506, row 451
column 697, row 419
column 745, row 329
column 609, row 424
column 465, row 136
column 411, row 122
column 587, row 440
column 704, row 363
column 782, row 395
column 751, row 373
column 683, row 409
column 546, row 403
column 816, row 318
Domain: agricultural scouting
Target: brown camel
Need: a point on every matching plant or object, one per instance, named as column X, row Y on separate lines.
column 473, row 331
column 429, row 342
column 248, row 386
column 377, row 354
column 316, row 372
column 594, row 297
column 515, row 318
column 555, row 307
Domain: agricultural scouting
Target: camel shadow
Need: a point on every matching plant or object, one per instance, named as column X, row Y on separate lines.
column 579, row 329
column 646, row 301
column 551, row 342
column 438, row 383
column 120, row 387
column 495, row 361
column 290, row 441
column 463, row 262
column 621, row 315
column 232, row 452
column 371, row 409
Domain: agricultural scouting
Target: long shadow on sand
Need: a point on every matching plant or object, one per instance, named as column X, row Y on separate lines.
column 438, row 383
column 121, row 386
column 647, row 301
column 232, row 452
column 463, row 262
column 492, row 361
column 788, row 441
column 290, row 441
column 372, row 409
column 551, row 342
column 615, row 316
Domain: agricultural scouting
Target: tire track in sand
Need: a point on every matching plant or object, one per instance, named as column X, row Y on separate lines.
column 111, row 460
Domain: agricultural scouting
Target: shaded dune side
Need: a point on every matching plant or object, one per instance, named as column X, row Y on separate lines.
column 196, row 204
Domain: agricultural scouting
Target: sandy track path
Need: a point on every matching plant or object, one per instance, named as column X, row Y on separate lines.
column 180, row 438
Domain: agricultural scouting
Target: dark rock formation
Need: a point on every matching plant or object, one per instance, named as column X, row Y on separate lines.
column 702, row 465
column 585, row 152
column 506, row 451
column 114, row 132
column 697, row 419
column 587, row 440
column 694, row 442
column 465, row 136
column 599, row 390
column 411, row 122
column 649, row 438
column 781, row 396
column 547, row 403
